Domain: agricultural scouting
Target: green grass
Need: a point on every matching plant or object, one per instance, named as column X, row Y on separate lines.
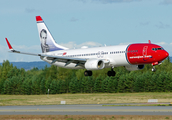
column 94, row 98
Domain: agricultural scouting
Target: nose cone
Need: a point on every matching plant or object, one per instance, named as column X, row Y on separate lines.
column 162, row 55
column 165, row 54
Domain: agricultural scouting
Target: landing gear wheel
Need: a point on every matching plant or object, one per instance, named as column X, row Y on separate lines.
column 153, row 69
column 111, row 73
column 88, row 73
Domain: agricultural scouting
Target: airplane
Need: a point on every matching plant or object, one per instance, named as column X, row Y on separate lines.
column 132, row 56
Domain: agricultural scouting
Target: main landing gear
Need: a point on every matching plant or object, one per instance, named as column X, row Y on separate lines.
column 111, row 73
column 88, row 73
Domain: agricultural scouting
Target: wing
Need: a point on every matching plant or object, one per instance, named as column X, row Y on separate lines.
column 67, row 60
column 15, row 51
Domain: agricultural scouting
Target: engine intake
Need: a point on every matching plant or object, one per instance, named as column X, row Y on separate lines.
column 94, row 64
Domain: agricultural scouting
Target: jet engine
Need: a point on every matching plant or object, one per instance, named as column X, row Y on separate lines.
column 134, row 67
column 94, row 64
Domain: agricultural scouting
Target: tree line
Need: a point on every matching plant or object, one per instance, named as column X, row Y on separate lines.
column 59, row 80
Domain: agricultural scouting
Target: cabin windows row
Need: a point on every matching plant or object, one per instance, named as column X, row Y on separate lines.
column 117, row 52
column 91, row 54
column 102, row 53
column 132, row 51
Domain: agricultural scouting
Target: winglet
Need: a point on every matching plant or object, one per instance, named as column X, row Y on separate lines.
column 9, row 45
column 149, row 41
column 38, row 18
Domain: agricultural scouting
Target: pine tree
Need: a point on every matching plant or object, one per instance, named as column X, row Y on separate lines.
column 47, row 83
column 42, row 86
column 121, row 84
column 97, row 85
column 53, row 87
column 72, row 86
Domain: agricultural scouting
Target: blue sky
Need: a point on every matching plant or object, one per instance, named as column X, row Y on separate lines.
column 75, row 23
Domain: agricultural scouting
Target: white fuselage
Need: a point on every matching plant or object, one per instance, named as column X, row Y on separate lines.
column 117, row 59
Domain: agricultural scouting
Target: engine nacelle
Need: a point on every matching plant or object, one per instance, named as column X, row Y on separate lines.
column 94, row 64
column 134, row 67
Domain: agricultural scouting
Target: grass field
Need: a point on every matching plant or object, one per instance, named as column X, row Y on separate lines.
column 94, row 98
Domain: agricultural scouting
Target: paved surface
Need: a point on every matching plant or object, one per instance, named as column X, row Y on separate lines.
column 85, row 110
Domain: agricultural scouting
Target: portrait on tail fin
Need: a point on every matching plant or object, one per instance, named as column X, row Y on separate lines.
column 43, row 37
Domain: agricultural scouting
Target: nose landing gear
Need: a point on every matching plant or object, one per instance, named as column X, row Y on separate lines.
column 153, row 69
column 153, row 64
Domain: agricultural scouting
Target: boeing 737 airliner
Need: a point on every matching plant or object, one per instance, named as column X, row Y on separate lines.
column 132, row 56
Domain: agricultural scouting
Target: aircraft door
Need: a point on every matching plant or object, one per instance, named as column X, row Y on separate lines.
column 145, row 50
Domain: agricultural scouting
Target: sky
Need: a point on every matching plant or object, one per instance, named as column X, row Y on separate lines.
column 77, row 23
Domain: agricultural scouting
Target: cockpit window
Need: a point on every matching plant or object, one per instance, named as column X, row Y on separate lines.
column 157, row 49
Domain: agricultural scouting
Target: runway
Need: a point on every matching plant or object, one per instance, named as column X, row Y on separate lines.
column 97, row 109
